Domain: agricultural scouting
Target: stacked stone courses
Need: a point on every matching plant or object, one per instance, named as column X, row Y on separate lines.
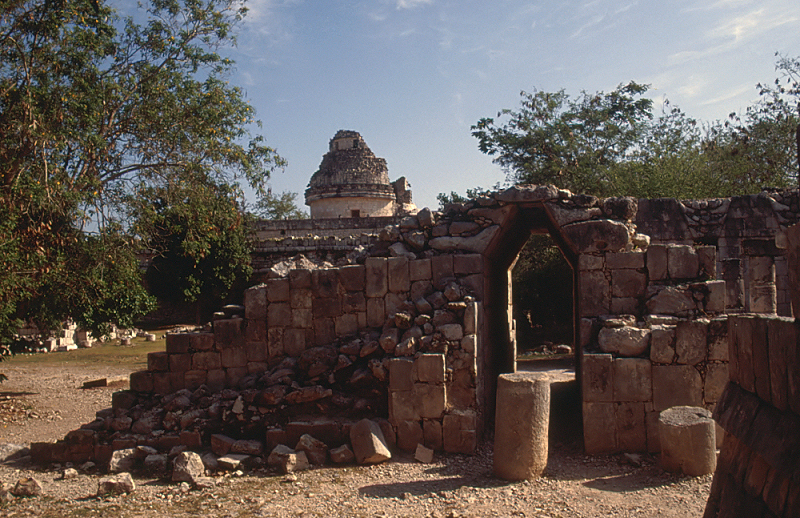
column 415, row 327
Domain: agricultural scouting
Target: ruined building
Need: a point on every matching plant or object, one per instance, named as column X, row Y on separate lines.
column 353, row 183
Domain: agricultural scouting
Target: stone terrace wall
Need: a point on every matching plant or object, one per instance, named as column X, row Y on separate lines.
column 757, row 471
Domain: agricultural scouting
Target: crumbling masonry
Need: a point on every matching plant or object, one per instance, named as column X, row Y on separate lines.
column 418, row 327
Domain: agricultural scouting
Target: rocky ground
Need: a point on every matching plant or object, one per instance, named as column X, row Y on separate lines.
column 42, row 402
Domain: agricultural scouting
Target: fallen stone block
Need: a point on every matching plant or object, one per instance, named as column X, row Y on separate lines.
column 116, row 485
column 187, row 466
column 369, row 445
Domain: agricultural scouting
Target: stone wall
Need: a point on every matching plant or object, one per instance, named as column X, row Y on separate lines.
column 760, row 412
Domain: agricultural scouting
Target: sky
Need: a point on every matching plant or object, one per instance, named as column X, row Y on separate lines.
column 412, row 76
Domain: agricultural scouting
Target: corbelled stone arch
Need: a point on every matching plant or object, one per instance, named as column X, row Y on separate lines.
column 521, row 221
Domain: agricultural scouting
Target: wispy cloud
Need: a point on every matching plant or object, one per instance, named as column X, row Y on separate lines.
column 411, row 4
column 595, row 20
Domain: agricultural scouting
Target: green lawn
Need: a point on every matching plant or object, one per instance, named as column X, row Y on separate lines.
column 133, row 356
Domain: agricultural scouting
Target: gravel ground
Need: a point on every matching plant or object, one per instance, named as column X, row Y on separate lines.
column 43, row 403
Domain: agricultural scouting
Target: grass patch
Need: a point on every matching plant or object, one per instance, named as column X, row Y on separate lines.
column 132, row 356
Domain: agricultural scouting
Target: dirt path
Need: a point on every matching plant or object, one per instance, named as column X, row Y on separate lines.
column 42, row 402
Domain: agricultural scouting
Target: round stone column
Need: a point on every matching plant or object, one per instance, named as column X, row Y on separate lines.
column 688, row 440
column 521, row 425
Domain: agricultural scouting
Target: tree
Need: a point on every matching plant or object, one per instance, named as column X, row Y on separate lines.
column 281, row 206
column 94, row 108
column 199, row 239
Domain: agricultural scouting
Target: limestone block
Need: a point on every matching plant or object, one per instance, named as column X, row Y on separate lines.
column 590, row 262
column 389, row 339
column 662, row 344
column 676, row 385
column 624, row 306
column 376, row 314
column 764, row 299
column 278, row 290
column 194, row 378
column 300, row 279
column 419, row 270
column 279, row 314
column 401, row 374
column 707, row 255
column 651, row 423
column 716, row 378
column 432, row 434
column 631, row 431
column 625, row 341
column 682, row 262
column 459, row 430
column 691, row 338
column 206, row 361
column 595, row 293
column 657, row 262
column 353, row 277
column 255, row 302
column 716, row 298
column 141, row 381
column 275, row 344
column 302, row 319
column 627, row 283
column 397, row 272
column 718, row 339
column 671, row 301
column 187, row 466
column 409, row 435
column 451, row 331
column 180, row 362
column 158, row 361
column 476, row 243
column 430, row 400
column 429, row 368
column 229, row 333
column 233, row 375
column 393, row 302
column 376, row 281
column 469, row 344
column 255, row 331
column 688, row 440
column 354, row 302
column 600, row 235
column 471, row 314
column 782, row 336
column 625, row 260
column 162, row 383
column 321, row 307
column 342, row 455
column 234, row 357
column 324, row 331
column 116, row 485
column 325, row 283
column 402, row 406
column 632, row 379
column 740, row 332
column 597, row 377
column 369, row 445
column 599, row 427
column 465, row 264
column 585, row 331
column 521, row 193
column 300, row 299
column 315, row 450
column 441, row 268
column 346, row 325
column 522, row 423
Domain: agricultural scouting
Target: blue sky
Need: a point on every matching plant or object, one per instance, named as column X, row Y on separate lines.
column 412, row 76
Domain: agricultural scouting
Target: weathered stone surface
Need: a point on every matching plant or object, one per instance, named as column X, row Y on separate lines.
column 430, row 368
column 628, row 283
column 599, row 427
column 683, row 262
column 122, row 460
column 316, row 451
column 521, row 425
column 451, row 331
column 398, row 274
column 477, row 243
column 632, row 379
column 342, row 455
column 26, row 487
column 688, row 440
column 657, row 262
column 423, row 454
column 691, row 339
column 116, row 485
column 662, row 344
column 369, row 445
column 376, row 281
column 523, row 193
column 459, row 431
column 597, row 235
column 671, row 301
column 676, row 385
column 187, row 466
column 597, row 377
column 625, row 341
column 409, row 435
column 716, row 378
column 595, row 293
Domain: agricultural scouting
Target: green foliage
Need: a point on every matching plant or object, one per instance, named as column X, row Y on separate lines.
column 454, row 197
column 94, row 109
column 281, row 206
column 199, row 239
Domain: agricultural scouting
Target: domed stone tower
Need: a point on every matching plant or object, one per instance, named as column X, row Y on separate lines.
column 353, row 183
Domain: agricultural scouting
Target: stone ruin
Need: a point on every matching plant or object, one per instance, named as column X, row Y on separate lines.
column 415, row 331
